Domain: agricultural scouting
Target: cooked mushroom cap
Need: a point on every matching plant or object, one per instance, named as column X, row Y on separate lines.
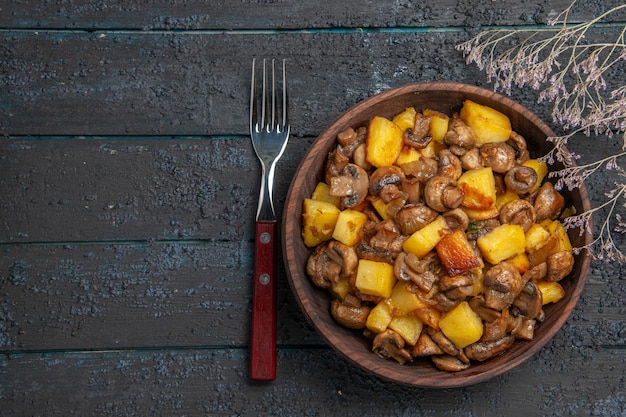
column 425, row 346
column 418, row 136
column 481, row 351
column 520, row 179
column 519, row 144
column 529, row 301
column 321, row 268
column 345, row 256
column 390, row 344
column 449, row 363
column 548, row 203
column 560, row 265
column 499, row 156
column 503, row 283
column 383, row 176
column 459, row 134
column 449, row 164
column 441, row 193
column 351, row 185
column 519, row 212
column 411, row 218
column 456, row 219
column 472, row 159
column 352, row 317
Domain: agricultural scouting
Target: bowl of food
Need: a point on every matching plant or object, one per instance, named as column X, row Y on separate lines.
column 424, row 241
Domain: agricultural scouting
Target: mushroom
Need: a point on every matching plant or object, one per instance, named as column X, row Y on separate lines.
column 520, row 179
column 503, row 283
column 443, row 342
column 321, row 268
column 499, row 156
column 425, row 346
column 519, row 144
column 351, row 185
column 418, row 137
column 457, row 287
column 335, row 163
column 411, row 187
column 472, row 159
column 449, row 164
column 411, row 218
column 349, row 315
column 390, row 344
column 387, row 238
column 548, row 202
column 519, row 212
column 365, row 251
column 527, row 329
column 529, row 301
column 560, row 264
column 423, row 168
column 407, row 267
column 459, row 134
column 486, row 314
column 536, row 273
column 481, row 351
column 360, row 157
column 495, row 330
column 441, row 194
column 456, row 219
column 350, row 140
column 343, row 255
column 449, row 363
column 384, row 182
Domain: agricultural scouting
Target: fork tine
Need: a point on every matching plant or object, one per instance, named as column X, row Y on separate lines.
column 284, row 106
column 253, row 103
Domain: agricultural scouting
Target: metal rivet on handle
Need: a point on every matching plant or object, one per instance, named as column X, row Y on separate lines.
column 264, row 279
column 265, row 237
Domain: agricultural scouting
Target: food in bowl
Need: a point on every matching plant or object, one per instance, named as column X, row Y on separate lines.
column 437, row 236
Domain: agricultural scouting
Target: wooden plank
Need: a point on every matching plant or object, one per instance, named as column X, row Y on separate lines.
column 65, row 190
column 162, row 84
column 134, row 296
column 229, row 15
column 310, row 382
column 186, row 294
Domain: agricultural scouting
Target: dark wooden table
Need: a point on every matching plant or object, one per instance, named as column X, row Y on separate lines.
column 128, row 193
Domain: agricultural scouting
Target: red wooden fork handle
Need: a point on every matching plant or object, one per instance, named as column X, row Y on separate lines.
column 263, row 340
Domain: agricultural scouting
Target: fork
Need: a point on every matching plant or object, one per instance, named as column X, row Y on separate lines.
column 269, row 134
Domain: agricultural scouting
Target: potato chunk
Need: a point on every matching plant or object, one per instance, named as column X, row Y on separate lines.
column 456, row 253
column 384, row 142
column 551, row 291
column 375, row 278
column 349, row 227
column 462, row 325
column 479, row 189
column 438, row 124
column 503, row 242
column 488, row 124
column 409, row 327
column 379, row 317
column 322, row 193
column 318, row 221
column 425, row 239
column 403, row 301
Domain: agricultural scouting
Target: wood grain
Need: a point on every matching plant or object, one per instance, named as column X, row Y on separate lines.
column 288, row 14
column 128, row 182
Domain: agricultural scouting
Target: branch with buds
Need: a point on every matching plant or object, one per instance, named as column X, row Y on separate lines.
column 578, row 78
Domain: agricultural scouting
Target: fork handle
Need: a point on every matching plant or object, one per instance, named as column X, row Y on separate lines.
column 263, row 340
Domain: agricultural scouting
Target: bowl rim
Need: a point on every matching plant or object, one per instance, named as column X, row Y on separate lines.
column 387, row 369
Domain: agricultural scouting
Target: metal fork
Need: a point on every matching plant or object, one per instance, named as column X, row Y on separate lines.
column 269, row 134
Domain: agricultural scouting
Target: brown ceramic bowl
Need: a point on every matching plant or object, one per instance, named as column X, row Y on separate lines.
column 445, row 97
